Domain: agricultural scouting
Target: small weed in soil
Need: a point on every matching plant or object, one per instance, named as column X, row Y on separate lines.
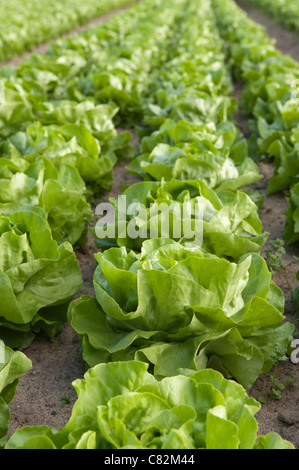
column 65, row 400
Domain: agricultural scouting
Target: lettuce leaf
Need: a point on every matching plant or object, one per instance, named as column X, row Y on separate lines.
column 215, row 314
column 271, row 91
column 38, row 277
column 291, row 233
column 60, row 192
column 121, row 406
column 13, row 365
column 228, row 220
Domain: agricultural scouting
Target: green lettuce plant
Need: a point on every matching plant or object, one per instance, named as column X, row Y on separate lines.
column 13, row 365
column 60, row 192
column 38, row 277
column 121, row 406
column 110, row 64
column 178, row 307
column 70, row 144
column 291, row 233
column 271, row 91
column 285, row 12
column 27, row 25
column 228, row 220
column 213, row 154
column 190, row 132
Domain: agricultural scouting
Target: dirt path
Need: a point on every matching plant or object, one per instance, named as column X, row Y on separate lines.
column 42, row 48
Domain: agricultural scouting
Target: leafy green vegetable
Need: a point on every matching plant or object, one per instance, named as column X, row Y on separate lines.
column 227, row 221
column 216, row 314
column 26, row 25
column 12, row 366
column 60, row 192
column 65, row 105
column 190, row 114
column 271, row 91
column 214, row 155
column 101, row 65
column 38, row 277
column 72, row 144
column 291, row 233
column 285, row 12
column 182, row 311
column 121, row 406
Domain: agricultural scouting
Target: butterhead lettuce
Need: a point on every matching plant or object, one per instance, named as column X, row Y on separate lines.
column 13, row 365
column 121, row 406
column 38, row 277
column 175, row 307
column 227, row 221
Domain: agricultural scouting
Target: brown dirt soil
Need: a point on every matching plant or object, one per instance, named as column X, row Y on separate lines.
column 57, row 363
column 279, row 415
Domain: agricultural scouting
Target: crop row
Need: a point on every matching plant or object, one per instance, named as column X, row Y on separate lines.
column 175, row 323
column 285, row 12
column 24, row 26
column 59, row 154
column 271, row 82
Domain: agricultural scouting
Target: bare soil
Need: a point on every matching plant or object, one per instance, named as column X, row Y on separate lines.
column 58, row 362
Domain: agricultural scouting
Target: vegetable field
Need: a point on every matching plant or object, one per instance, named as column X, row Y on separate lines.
column 149, row 225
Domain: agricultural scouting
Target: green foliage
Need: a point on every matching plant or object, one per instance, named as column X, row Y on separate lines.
column 271, row 91
column 285, row 12
column 24, row 25
column 65, row 400
column 120, row 405
column 171, row 321
column 291, row 233
column 229, row 225
column 38, row 277
column 216, row 313
column 274, row 255
column 59, row 191
column 13, row 365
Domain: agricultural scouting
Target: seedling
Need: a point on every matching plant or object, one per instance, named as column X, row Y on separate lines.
column 65, row 400
column 262, row 400
column 276, row 264
column 291, row 381
column 277, row 388
column 274, row 255
column 56, row 343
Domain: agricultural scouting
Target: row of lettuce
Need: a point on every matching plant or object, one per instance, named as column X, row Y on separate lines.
column 59, row 140
column 24, row 26
column 122, row 405
column 58, row 154
column 271, row 82
column 58, row 147
column 175, row 323
column 285, row 12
